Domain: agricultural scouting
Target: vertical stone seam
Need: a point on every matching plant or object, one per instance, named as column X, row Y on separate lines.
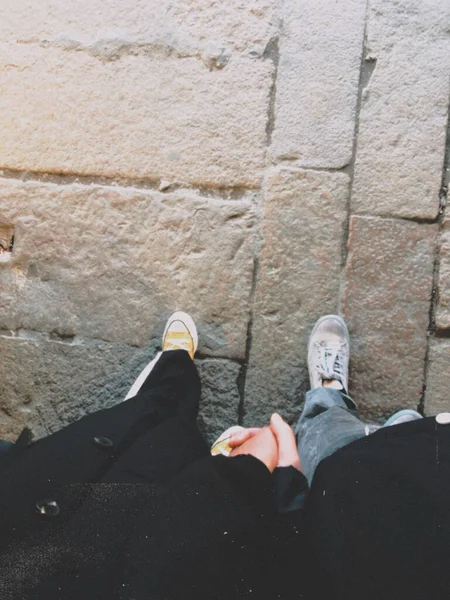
column 443, row 193
column 242, row 376
column 364, row 77
column 272, row 52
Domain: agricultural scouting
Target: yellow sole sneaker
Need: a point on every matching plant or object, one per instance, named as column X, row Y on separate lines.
column 180, row 333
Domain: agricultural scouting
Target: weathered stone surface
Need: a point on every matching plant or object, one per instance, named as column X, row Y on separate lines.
column 180, row 24
column 112, row 263
column 219, row 406
column 443, row 295
column 298, row 281
column 141, row 116
column 46, row 385
column 437, row 395
column 403, row 115
column 317, row 85
column 386, row 303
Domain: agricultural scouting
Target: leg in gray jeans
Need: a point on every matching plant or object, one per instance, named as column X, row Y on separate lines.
column 329, row 421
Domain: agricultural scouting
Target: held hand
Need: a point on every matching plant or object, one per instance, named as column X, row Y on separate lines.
column 238, row 438
column 260, row 443
column 287, row 444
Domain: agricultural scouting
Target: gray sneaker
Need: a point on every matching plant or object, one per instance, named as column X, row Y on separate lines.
column 329, row 353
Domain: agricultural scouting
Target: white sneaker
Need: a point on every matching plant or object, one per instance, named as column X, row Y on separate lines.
column 180, row 333
column 329, row 353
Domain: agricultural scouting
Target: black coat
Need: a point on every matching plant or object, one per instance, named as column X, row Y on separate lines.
column 378, row 516
column 127, row 503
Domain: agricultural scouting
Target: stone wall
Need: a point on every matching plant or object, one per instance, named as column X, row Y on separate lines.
column 256, row 163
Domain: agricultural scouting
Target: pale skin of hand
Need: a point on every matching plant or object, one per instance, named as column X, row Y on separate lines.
column 274, row 445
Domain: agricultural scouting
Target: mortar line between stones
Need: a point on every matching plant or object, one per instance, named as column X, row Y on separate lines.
column 160, row 185
column 436, row 264
column 351, row 166
column 418, row 220
column 431, row 327
column 29, row 335
column 242, row 376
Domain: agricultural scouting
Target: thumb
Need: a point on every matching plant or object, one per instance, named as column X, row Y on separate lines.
column 287, row 445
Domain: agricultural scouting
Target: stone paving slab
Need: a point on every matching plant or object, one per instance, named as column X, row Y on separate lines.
column 317, row 85
column 113, row 263
column 437, row 395
column 402, row 122
column 142, row 116
column 386, row 303
column 298, row 281
column 46, row 385
column 184, row 26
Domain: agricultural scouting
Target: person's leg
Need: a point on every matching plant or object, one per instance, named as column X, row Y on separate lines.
column 171, row 378
column 326, row 424
column 139, row 382
column 329, row 419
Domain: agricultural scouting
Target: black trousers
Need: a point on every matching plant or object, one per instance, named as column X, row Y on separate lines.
column 168, row 404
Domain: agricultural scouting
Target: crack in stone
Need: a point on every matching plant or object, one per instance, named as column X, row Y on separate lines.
column 443, row 192
column 443, row 333
column 112, row 49
column 432, row 329
column 160, row 185
column 242, row 376
column 54, row 337
column 350, row 168
column 368, row 67
column 75, row 340
column 418, row 220
column 272, row 52
column 293, row 159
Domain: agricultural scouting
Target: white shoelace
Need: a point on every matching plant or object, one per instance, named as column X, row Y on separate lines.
column 329, row 363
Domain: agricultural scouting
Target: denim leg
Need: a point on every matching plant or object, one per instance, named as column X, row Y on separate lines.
column 328, row 422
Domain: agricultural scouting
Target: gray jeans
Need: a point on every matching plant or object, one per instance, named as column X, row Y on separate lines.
column 328, row 422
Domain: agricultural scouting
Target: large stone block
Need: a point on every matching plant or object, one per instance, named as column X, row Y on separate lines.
column 140, row 116
column 317, row 85
column 46, row 385
column 437, row 395
column 298, row 281
column 386, row 304
column 182, row 25
column 403, row 116
column 443, row 296
column 112, row 263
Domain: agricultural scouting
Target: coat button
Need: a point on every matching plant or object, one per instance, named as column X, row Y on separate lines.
column 443, row 418
column 49, row 508
column 103, row 442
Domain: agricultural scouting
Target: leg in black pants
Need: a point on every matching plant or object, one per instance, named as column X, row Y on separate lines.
column 165, row 437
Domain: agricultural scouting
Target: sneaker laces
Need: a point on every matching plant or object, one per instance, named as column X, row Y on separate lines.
column 329, row 363
column 178, row 345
